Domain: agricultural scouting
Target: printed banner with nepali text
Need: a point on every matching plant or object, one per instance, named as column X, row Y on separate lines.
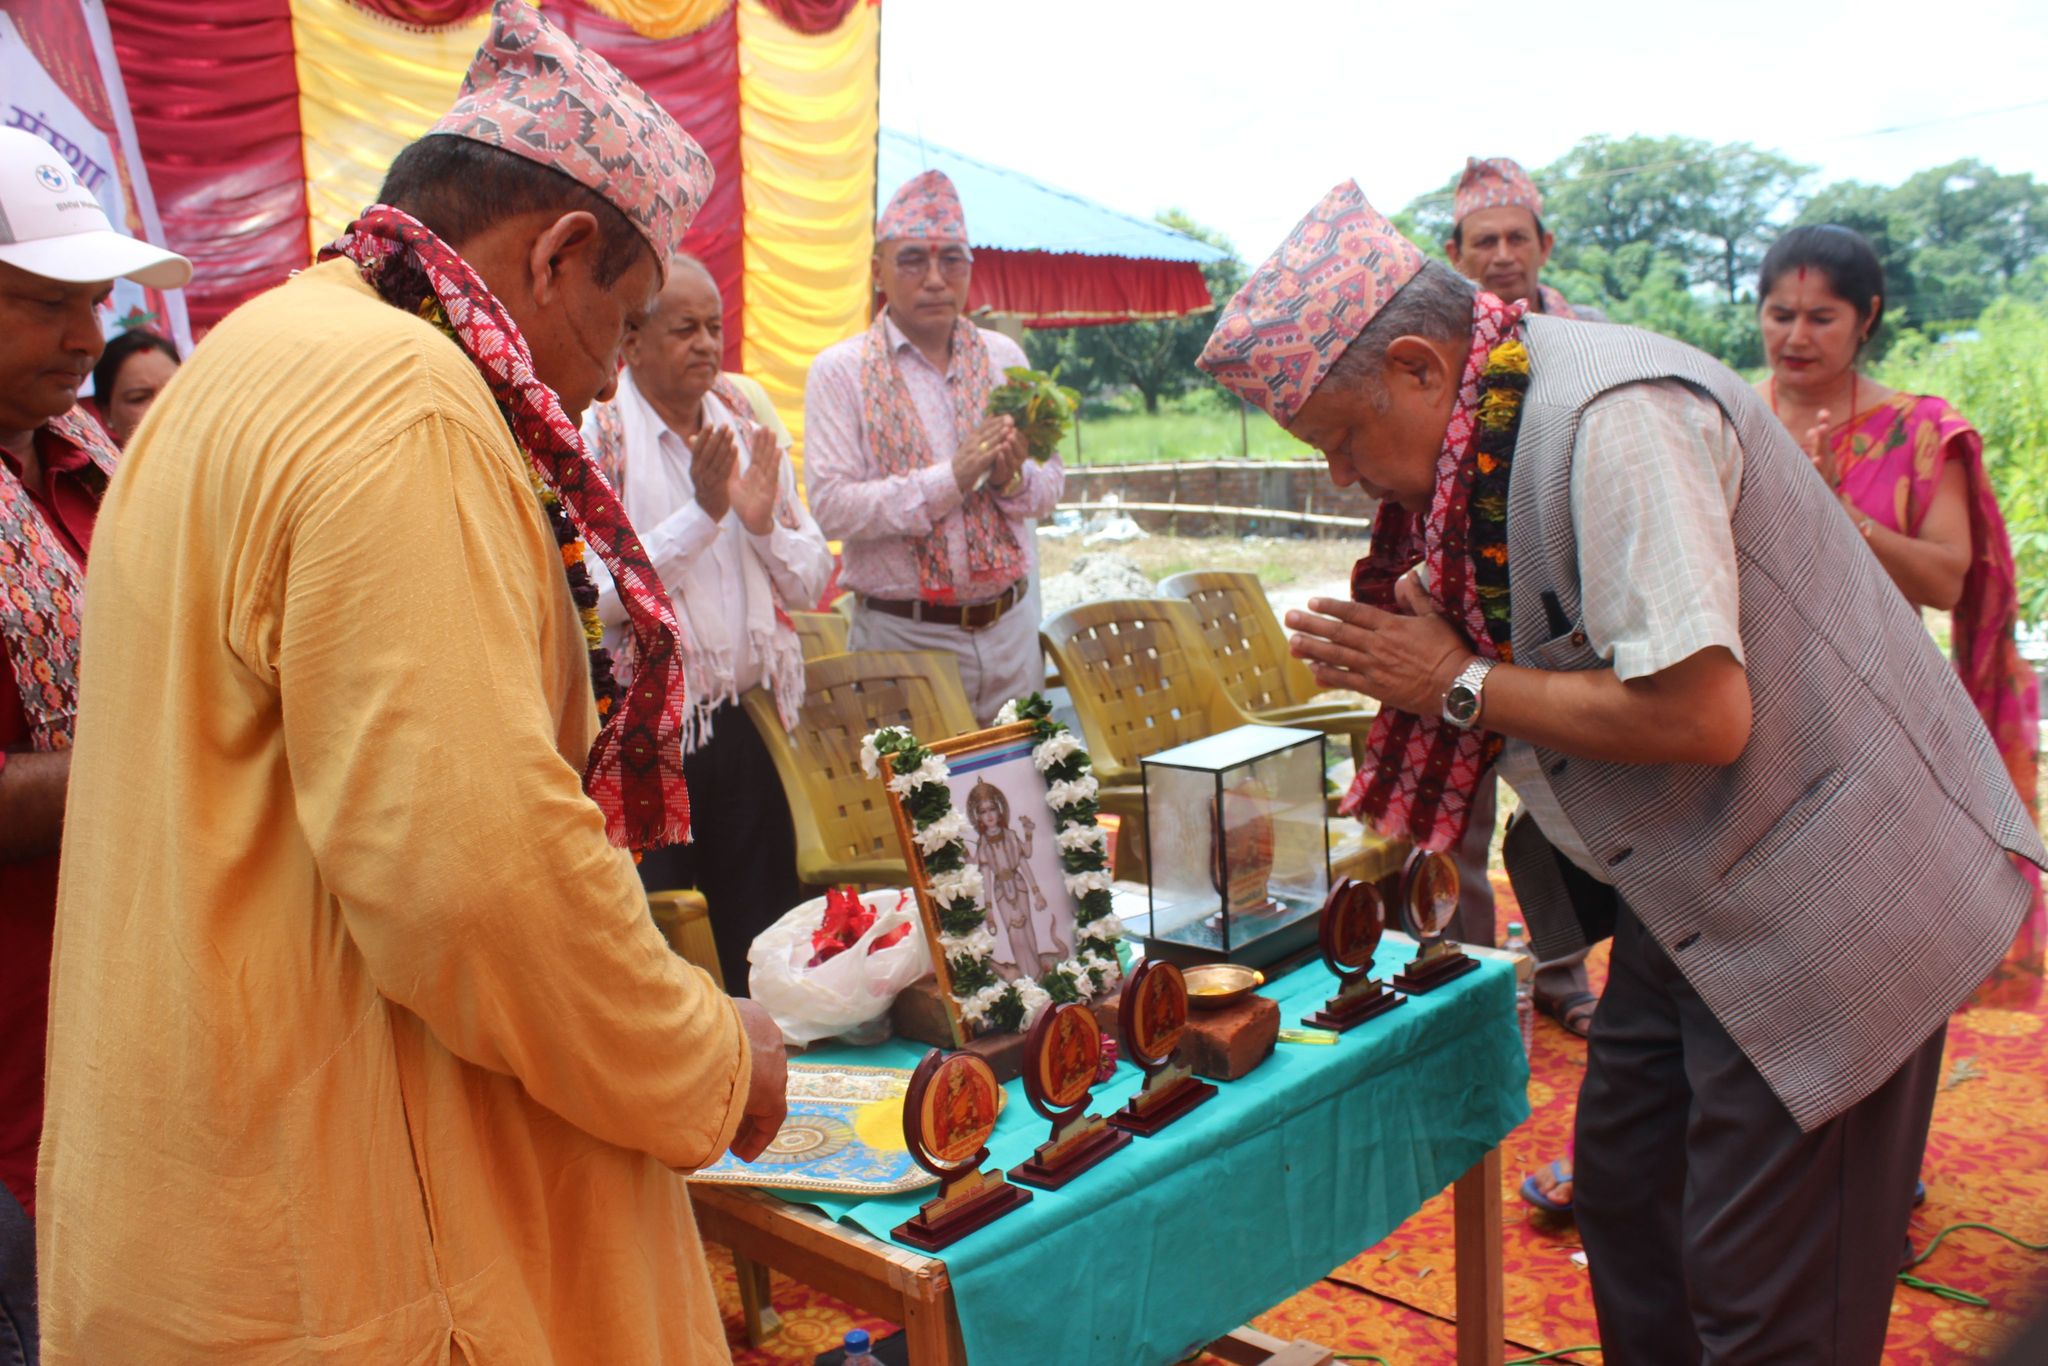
column 59, row 81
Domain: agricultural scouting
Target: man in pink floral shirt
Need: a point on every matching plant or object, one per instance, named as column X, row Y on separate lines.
column 931, row 497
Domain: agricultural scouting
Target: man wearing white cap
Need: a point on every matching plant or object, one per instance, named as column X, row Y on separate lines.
column 59, row 259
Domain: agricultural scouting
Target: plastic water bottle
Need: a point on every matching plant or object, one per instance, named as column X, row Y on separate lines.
column 1525, row 983
column 857, row 1345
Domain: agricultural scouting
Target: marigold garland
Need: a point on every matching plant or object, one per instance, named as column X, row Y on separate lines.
column 987, row 1002
column 1503, row 384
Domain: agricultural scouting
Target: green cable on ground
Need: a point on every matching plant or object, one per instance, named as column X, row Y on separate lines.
column 1988, row 1228
column 1949, row 1292
column 1551, row 1356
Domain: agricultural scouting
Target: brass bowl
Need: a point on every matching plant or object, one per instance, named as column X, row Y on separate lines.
column 1215, row 985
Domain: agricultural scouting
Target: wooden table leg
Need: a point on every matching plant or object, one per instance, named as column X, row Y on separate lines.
column 1475, row 1205
column 929, row 1329
column 757, row 1310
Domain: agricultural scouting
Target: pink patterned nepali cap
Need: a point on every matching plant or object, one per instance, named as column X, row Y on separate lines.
column 1282, row 332
column 1494, row 183
column 926, row 209
column 534, row 92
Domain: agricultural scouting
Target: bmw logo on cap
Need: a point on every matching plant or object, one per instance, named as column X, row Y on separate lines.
column 52, row 179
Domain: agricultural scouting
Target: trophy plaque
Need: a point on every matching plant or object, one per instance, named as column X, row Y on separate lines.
column 1429, row 891
column 948, row 1113
column 1152, row 1019
column 1353, row 920
column 1061, row 1056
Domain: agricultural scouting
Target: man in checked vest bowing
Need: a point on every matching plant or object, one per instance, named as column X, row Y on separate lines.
column 363, row 1045
column 1596, row 568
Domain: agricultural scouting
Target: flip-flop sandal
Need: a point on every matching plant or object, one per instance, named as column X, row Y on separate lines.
column 1533, row 1193
column 1573, row 1011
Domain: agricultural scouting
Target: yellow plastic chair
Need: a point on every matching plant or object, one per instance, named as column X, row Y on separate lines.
column 821, row 633
column 1141, row 679
column 685, row 922
column 1141, row 682
column 1249, row 650
column 844, row 833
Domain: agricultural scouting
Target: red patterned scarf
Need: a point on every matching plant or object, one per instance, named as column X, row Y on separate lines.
column 42, row 590
column 1420, row 774
column 635, row 770
column 994, row 559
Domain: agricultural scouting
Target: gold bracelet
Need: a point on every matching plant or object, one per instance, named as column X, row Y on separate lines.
column 1016, row 486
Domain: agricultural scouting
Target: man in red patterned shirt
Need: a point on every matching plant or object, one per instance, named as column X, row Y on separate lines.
column 59, row 258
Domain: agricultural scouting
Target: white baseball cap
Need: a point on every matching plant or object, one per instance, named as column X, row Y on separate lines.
column 50, row 225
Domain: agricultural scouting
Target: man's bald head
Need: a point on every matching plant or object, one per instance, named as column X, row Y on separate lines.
column 676, row 353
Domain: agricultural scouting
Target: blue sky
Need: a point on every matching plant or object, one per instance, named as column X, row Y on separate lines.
column 1244, row 113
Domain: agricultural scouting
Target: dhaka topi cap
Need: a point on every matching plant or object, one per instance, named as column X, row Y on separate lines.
column 1495, row 183
column 534, row 92
column 1282, row 332
column 925, row 209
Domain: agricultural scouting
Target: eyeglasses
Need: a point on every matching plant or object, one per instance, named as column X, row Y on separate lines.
column 953, row 262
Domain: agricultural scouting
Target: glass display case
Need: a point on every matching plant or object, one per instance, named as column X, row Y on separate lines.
column 1238, row 846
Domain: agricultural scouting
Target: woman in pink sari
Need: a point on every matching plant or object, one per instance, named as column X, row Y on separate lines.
column 1910, row 473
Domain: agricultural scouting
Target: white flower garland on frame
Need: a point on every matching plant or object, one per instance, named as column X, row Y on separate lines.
column 987, row 1002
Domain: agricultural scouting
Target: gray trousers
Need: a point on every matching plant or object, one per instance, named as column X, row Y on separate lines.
column 1716, row 1232
column 997, row 663
column 1474, row 922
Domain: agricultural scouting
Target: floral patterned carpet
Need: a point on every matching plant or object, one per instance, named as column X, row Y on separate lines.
column 1985, row 1163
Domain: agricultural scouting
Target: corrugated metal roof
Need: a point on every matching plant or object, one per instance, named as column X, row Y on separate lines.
column 1010, row 211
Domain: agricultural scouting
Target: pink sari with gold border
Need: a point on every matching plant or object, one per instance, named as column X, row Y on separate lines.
column 1891, row 461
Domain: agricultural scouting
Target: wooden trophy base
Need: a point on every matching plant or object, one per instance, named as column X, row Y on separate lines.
column 952, row 1216
column 1430, row 971
column 1153, row 1109
column 1353, row 1007
column 1066, row 1157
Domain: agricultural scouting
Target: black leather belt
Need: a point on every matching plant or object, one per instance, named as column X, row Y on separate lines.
column 968, row 616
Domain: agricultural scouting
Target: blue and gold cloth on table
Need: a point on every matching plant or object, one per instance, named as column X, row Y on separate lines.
column 844, row 1135
column 1287, row 1173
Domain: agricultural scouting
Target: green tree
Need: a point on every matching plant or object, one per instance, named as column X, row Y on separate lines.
column 1731, row 220
column 1155, row 358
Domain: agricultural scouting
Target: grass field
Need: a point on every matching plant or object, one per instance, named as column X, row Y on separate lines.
column 1279, row 563
column 1180, row 431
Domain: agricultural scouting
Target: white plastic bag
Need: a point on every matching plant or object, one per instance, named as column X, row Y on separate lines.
column 848, row 989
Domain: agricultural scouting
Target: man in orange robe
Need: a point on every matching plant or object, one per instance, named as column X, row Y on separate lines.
column 363, row 1047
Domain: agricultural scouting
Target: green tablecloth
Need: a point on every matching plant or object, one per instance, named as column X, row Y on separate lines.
column 1285, row 1174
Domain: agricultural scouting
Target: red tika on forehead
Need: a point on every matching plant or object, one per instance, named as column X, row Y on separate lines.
column 534, row 92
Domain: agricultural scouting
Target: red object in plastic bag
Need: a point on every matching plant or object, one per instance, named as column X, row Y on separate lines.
column 847, row 918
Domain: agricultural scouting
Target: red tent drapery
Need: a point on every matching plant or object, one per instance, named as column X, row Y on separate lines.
column 215, row 96
column 697, row 79
column 1058, row 289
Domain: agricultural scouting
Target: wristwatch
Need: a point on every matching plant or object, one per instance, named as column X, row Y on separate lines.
column 1466, row 695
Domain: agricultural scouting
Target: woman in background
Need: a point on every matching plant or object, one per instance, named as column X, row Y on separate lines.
column 132, row 371
column 1909, row 470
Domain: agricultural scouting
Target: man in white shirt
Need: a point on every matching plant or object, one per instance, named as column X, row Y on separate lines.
column 699, row 459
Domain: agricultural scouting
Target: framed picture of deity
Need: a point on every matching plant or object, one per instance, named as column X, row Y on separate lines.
column 1009, row 867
